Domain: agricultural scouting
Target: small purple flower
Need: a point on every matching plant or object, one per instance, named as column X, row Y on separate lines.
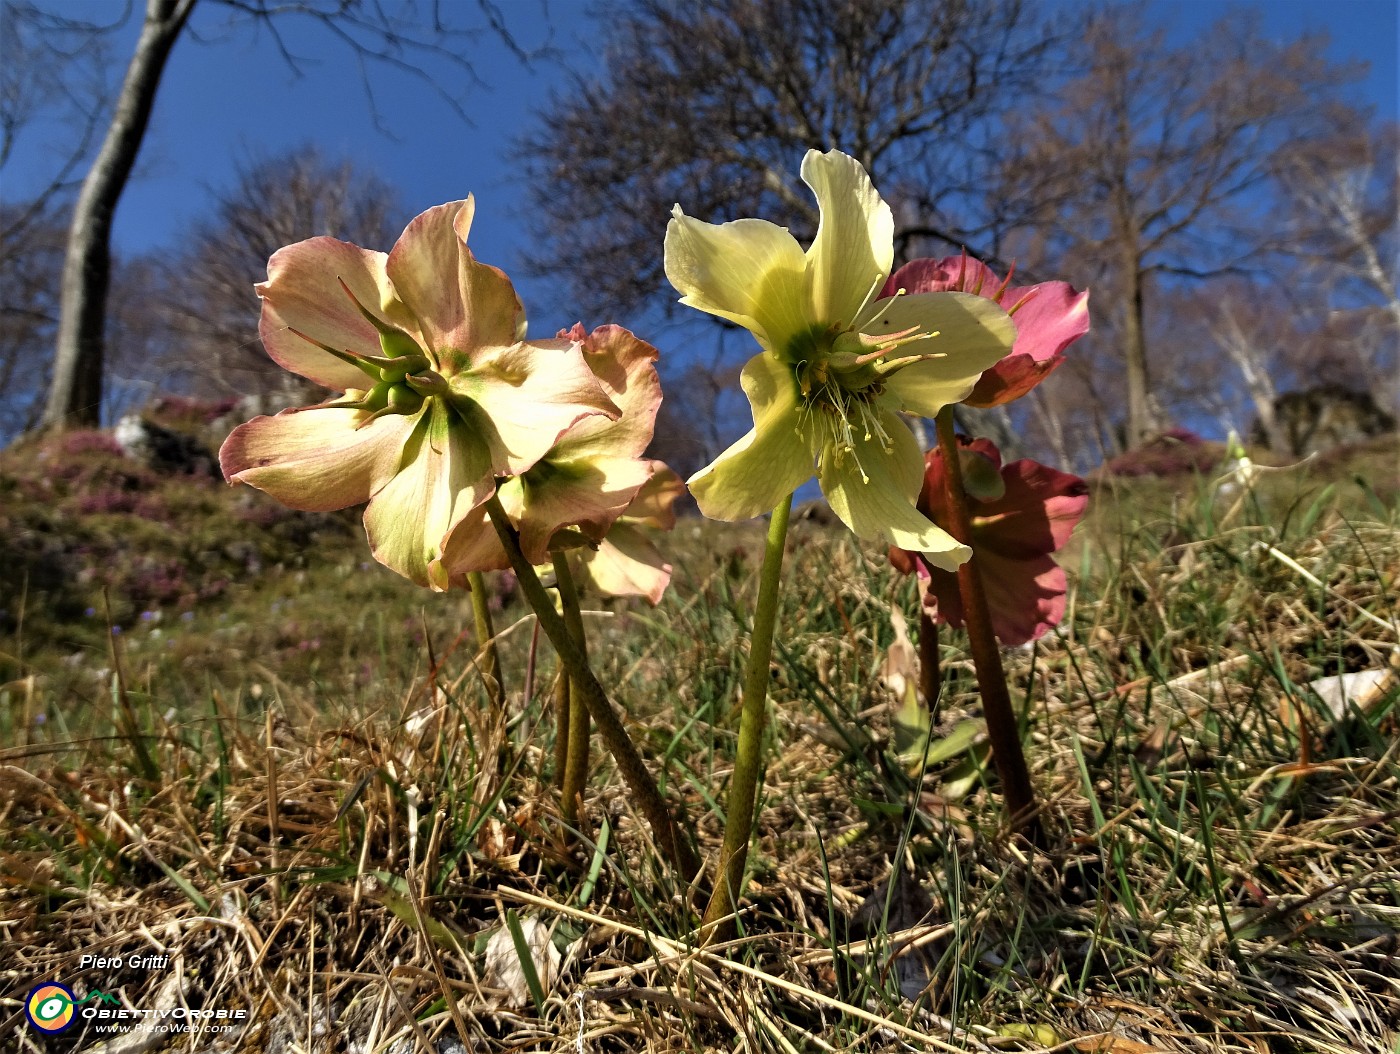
column 90, row 612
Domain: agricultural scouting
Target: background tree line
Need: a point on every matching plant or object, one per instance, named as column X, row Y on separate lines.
column 1234, row 215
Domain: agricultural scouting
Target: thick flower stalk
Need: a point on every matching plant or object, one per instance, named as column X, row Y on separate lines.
column 1019, row 515
column 837, row 365
column 442, row 393
column 1010, row 589
column 1049, row 317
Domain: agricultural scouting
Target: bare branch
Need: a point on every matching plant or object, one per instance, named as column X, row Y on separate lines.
column 713, row 103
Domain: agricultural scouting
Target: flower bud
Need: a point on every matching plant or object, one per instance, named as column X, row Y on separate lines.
column 403, row 400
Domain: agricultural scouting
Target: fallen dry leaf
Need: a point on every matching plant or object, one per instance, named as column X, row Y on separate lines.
column 503, row 968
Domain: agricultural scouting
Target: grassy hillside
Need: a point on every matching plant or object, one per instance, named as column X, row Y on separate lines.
column 231, row 738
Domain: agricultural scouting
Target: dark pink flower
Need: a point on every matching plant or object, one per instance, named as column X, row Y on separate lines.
column 1049, row 317
column 1013, row 536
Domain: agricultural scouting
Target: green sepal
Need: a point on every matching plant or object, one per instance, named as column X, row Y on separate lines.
column 981, row 479
column 427, row 383
column 395, row 343
column 404, row 400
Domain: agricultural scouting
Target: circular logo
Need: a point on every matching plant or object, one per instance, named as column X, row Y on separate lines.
column 49, row 1007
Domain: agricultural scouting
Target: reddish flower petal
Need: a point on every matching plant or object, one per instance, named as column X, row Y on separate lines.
column 950, row 274
column 941, row 597
column 1010, row 379
column 1050, row 317
column 902, row 560
column 1059, row 498
column 1026, row 598
column 1012, row 539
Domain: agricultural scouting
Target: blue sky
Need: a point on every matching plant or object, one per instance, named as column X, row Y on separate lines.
column 233, row 96
column 228, row 96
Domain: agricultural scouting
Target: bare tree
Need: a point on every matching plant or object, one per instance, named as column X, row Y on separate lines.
column 1242, row 332
column 1155, row 164
column 396, row 34
column 209, row 303
column 1345, row 233
column 54, row 78
column 712, row 103
column 75, row 392
column 31, row 259
column 54, row 71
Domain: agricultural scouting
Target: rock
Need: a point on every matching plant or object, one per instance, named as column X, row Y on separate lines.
column 161, row 450
column 1318, row 419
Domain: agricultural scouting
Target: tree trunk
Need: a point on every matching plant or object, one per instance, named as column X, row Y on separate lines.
column 1254, row 368
column 1141, row 422
column 75, row 397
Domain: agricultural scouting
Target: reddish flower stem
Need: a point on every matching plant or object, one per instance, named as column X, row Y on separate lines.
column 930, row 676
column 1003, row 729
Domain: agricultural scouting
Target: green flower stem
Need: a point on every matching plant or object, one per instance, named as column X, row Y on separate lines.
column 634, row 772
column 486, row 641
column 748, row 761
column 576, row 731
column 561, row 727
column 1003, row 729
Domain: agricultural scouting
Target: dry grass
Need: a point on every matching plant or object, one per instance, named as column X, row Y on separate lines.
column 1223, row 869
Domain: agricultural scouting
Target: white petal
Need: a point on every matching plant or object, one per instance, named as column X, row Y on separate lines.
column 750, row 272
column 769, row 463
column 854, row 247
column 627, row 564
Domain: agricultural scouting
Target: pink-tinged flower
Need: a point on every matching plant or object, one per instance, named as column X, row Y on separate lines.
column 1021, row 513
column 442, row 391
column 626, row 563
column 1049, row 317
column 573, row 494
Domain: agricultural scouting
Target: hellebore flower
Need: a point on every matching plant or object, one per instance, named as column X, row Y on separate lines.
column 442, row 391
column 836, row 366
column 574, row 493
column 1049, row 317
column 1021, row 513
column 626, row 563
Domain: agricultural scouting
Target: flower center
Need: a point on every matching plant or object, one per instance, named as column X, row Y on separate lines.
column 839, row 409
column 400, row 380
column 841, row 372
